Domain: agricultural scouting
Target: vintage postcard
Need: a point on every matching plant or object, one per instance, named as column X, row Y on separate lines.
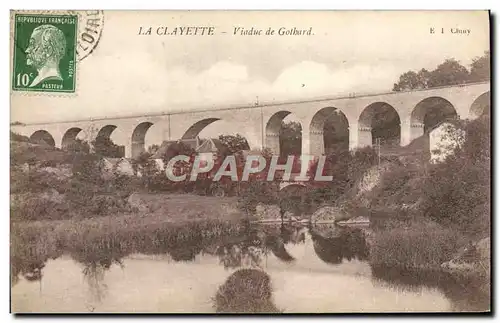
column 250, row 161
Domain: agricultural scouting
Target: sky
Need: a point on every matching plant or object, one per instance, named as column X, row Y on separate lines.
column 361, row 51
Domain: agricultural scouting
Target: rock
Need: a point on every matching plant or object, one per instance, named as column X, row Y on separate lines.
column 62, row 172
column 474, row 257
column 25, row 168
column 329, row 213
column 267, row 212
column 53, row 196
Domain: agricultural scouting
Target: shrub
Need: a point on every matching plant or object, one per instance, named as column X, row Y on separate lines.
column 458, row 190
column 257, row 192
column 17, row 137
column 38, row 208
column 245, row 291
column 416, row 245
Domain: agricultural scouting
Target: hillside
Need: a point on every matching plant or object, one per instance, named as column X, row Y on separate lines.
column 25, row 152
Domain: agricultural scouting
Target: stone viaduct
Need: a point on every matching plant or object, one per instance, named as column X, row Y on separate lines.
column 260, row 124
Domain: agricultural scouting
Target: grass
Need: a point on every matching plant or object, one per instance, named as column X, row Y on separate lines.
column 105, row 240
column 414, row 245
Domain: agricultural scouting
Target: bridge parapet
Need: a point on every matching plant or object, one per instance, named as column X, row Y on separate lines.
column 252, row 121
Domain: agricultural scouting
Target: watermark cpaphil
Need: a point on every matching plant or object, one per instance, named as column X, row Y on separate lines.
column 179, row 168
column 46, row 48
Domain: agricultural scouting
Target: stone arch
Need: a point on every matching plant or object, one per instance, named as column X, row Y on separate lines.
column 273, row 140
column 138, row 138
column 379, row 120
column 291, row 186
column 105, row 132
column 428, row 113
column 104, row 145
column 329, row 127
column 480, row 106
column 196, row 128
column 43, row 136
column 69, row 137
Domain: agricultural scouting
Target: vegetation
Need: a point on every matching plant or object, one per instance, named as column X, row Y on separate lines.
column 430, row 210
column 104, row 146
column 450, row 72
column 234, row 144
column 61, row 185
column 246, row 291
column 415, row 245
column 104, row 242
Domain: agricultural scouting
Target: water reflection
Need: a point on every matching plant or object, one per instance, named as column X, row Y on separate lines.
column 257, row 242
column 467, row 293
column 335, row 244
column 295, row 257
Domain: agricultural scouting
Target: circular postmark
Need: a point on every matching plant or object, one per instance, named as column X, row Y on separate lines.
column 90, row 26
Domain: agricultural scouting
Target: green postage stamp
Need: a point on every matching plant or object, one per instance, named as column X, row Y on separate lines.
column 44, row 57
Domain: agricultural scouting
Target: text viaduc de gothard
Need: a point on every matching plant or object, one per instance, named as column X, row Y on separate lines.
column 211, row 31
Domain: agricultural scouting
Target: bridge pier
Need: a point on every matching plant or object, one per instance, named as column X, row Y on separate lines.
column 315, row 143
column 273, row 143
column 364, row 136
column 416, row 130
column 353, row 136
column 405, row 132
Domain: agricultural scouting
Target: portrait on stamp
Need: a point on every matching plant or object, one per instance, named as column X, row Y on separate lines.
column 44, row 53
column 46, row 48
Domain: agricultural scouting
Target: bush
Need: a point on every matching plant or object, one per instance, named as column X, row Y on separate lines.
column 458, row 190
column 17, row 137
column 257, row 192
column 39, row 209
column 417, row 245
column 399, row 185
column 245, row 291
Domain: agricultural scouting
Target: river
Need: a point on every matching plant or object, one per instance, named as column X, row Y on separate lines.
column 322, row 269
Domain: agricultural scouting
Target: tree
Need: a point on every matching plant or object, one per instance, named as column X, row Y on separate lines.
column 450, row 72
column 144, row 163
column 336, row 140
column 290, row 139
column 386, row 125
column 153, row 149
column 79, row 146
column 456, row 192
column 17, row 137
column 177, row 148
column 480, row 68
column 412, row 80
column 104, row 146
column 234, row 144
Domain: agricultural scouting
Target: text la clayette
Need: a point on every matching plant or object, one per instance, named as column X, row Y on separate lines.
column 177, row 31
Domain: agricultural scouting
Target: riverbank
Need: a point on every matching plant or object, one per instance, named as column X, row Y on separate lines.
column 419, row 245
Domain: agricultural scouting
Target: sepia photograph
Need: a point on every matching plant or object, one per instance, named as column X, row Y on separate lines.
column 276, row 162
